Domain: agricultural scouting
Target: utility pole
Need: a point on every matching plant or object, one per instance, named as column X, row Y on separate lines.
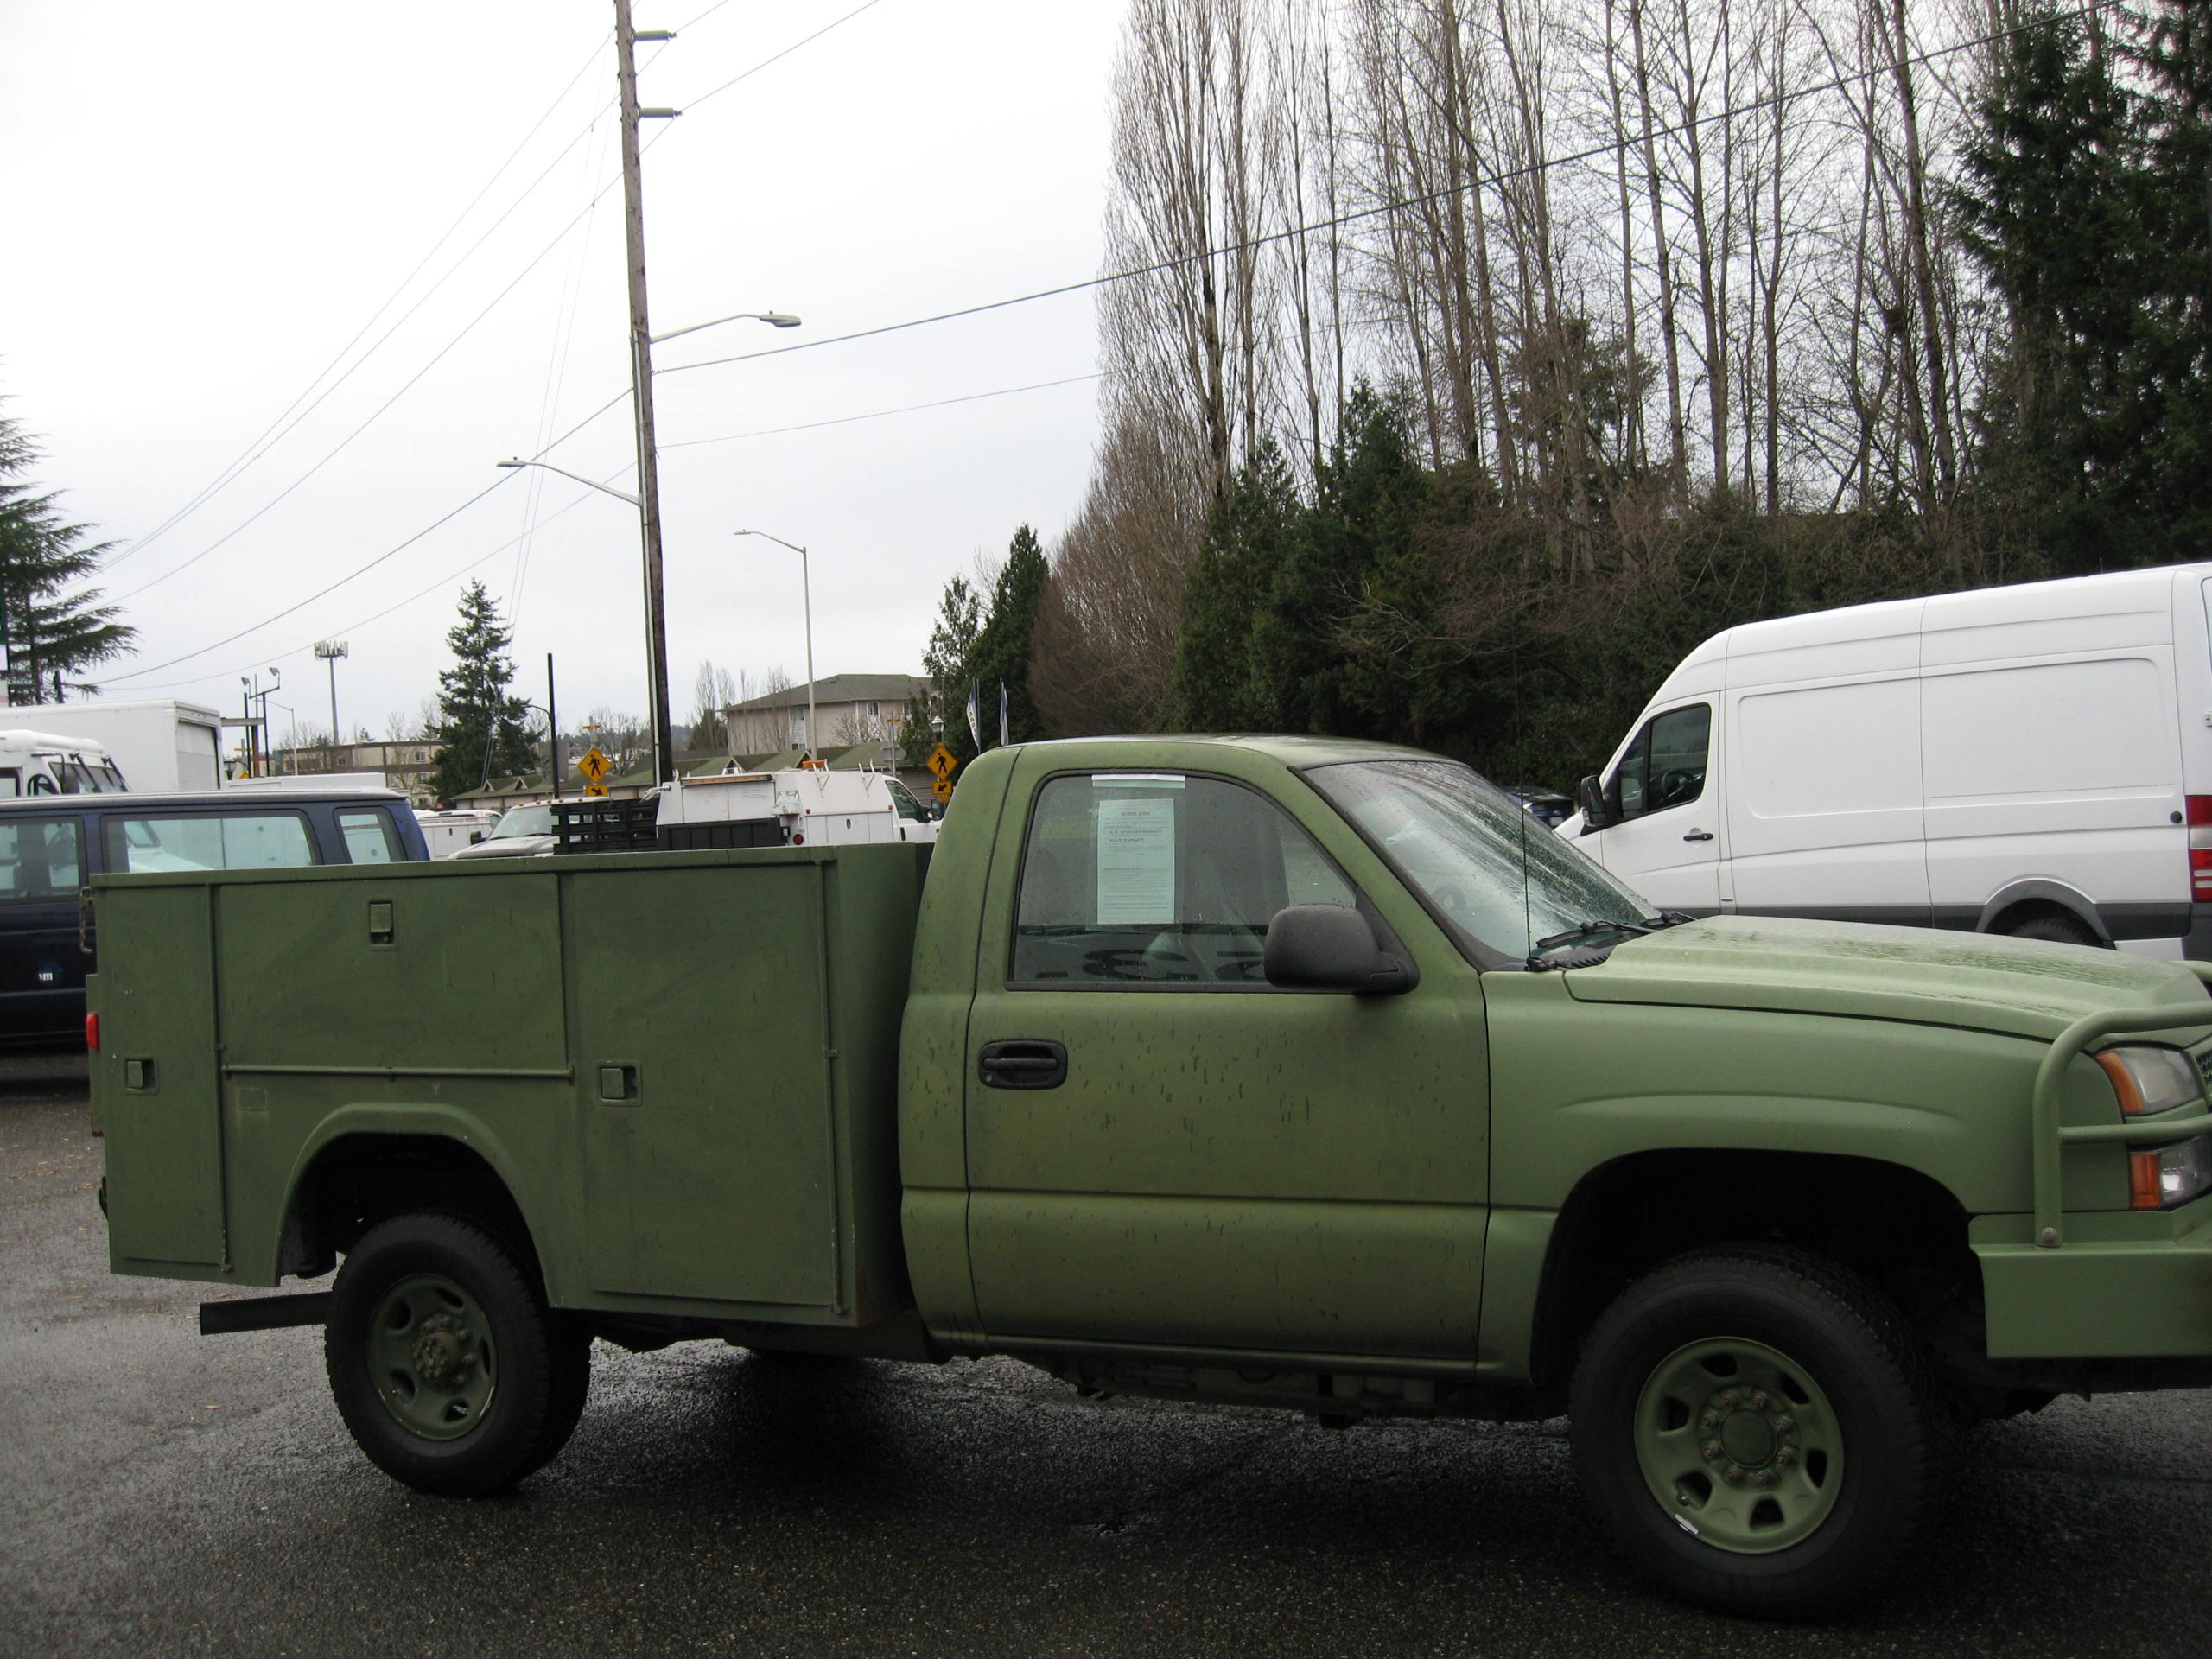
column 641, row 382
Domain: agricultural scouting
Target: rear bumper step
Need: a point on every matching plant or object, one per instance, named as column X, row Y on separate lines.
column 264, row 1313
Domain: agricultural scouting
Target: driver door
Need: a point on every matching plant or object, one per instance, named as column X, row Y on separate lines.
column 1164, row 1150
column 1667, row 845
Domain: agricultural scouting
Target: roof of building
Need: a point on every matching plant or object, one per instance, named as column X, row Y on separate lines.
column 838, row 688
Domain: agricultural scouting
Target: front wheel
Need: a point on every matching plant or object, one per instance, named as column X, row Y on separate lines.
column 1759, row 1428
column 444, row 1362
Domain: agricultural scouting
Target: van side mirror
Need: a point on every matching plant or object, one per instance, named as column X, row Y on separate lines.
column 1597, row 811
column 1329, row 948
column 475, row 835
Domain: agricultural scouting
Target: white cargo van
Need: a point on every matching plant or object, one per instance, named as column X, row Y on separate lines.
column 2034, row 760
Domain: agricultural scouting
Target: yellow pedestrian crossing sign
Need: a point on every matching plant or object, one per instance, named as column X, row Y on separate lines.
column 593, row 765
column 941, row 763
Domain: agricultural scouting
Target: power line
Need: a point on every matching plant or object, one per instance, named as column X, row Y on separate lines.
column 1776, row 101
column 692, row 103
column 879, row 414
column 362, row 570
column 257, row 448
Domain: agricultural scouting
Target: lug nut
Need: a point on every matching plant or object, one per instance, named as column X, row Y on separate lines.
column 1730, row 1400
column 1787, row 1456
column 1758, row 1401
column 1764, row 1480
column 1732, row 1475
column 1712, row 1450
column 1785, row 1424
column 1710, row 1421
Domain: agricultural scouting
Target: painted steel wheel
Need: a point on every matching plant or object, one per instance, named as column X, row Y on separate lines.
column 444, row 1362
column 1760, row 1429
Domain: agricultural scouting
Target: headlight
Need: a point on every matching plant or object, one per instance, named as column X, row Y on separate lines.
column 2149, row 1079
column 2169, row 1175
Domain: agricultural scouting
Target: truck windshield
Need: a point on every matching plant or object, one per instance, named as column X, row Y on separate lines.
column 524, row 821
column 1478, row 859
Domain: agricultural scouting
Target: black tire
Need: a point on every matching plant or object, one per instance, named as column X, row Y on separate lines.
column 1836, row 1526
column 444, row 1360
column 2059, row 930
column 570, row 1360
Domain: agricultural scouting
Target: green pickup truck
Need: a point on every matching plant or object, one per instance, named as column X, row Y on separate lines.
column 1289, row 1071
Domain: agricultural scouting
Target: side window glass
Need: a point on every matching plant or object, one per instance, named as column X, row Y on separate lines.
column 1665, row 766
column 39, row 860
column 1155, row 879
column 1679, row 741
column 367, row 836
column 902, row 800
column 1628, row 783
column 212, row 842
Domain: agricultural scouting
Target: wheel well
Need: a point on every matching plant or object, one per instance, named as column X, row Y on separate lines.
column 359, row 1180
column 2030, row 910
column 1893, row 1225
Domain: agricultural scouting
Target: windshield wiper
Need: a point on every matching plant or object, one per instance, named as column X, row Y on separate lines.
column 1666, row 918
column 1586, row 929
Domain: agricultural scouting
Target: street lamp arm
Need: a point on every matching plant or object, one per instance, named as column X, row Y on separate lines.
column 604, row 489
column 774, row 319
column 779, row 540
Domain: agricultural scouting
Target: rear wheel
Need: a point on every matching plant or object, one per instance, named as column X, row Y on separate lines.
column 444, row 1360
column 1760, row 1430
column 2059, row 930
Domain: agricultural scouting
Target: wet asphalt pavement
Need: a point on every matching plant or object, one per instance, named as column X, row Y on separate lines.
column 162, row 1493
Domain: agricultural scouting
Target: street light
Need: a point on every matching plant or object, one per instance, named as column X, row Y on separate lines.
column 806, row 599
column 774, row 319
column 330, row 650
column 647, row 501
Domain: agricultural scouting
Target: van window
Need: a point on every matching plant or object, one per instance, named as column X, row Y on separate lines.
column 903, row 801
column 1665, row 766
column 267, row 841
column 40, row 858
column 1159, row 879
column 368, row 838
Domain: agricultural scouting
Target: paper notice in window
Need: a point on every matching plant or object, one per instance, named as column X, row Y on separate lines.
column 1137, row 862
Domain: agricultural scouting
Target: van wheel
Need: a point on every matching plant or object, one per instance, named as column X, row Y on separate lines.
column 444, row 1360
column 2059, row 930
column 1759, row 1429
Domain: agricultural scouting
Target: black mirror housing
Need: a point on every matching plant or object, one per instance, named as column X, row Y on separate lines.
column 1597, row 811
column 1329, row 948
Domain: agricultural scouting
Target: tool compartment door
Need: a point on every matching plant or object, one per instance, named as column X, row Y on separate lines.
column 703, row 1074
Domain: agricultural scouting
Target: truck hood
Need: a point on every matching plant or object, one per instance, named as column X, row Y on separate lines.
column 1985, row 982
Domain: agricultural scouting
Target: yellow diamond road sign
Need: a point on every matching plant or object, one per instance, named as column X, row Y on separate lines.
column 593, row 765
column 595, row 789
column 941, row 763
column 941, row 789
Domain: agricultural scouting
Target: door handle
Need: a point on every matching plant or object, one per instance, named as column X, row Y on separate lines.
column 1022, row 1063
column 1699, row 835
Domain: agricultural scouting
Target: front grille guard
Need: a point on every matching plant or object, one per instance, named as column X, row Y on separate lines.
column 2052, row 1137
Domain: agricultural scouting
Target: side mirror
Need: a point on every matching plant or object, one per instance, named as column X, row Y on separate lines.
column 1597, row 811
column 475, row 835
column 1328, row 948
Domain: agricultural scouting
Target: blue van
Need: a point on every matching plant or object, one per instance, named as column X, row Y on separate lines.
column 52, row 846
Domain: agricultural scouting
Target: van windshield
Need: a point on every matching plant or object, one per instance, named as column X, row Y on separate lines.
column 524, row 821
column 1476, row 857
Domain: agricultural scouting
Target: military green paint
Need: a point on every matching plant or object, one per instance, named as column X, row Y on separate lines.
column 1253, row 1175
column 165, row 1163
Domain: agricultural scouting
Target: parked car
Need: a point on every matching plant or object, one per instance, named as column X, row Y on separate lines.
column 522, row 832
column 52, row 846
column 1547, row 806
column 2033, row 760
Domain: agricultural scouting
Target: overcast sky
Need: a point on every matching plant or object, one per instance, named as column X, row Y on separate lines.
column 204, row 205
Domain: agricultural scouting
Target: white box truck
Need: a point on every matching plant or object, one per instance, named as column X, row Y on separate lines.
column 2033, row 760
column 161, row 745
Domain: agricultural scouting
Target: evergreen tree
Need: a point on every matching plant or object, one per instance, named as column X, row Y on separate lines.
column 944, row 665
column 1006, row 644
column 1246, row 545
column 480, row 728
column 2085, row 201
column 48, row 635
